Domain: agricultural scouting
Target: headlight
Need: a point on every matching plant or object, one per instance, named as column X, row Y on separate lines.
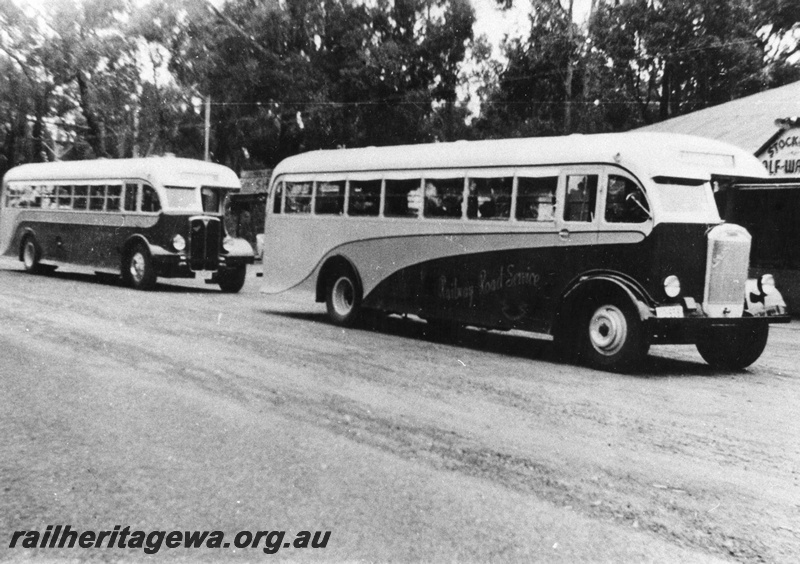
column 766, row 284
column 178, row 242
column 672, row 286
column 228, row 243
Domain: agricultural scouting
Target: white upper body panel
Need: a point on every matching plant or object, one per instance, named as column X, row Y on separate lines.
column 647, row 155
column 159, row 171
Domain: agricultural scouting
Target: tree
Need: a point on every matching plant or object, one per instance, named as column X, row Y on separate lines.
column 536, row 90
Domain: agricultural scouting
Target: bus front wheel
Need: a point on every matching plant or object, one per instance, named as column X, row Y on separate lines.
column 343, row 298
column 613, row 337
column 231, row 280
column 31, row 255
column 733, row 348
column 138, row 271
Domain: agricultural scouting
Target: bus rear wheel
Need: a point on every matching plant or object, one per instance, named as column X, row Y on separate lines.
column 343, row 298
column 138, row 271
column 733, row 348
column 612, row 335
column 231, row 280
column 31, row 254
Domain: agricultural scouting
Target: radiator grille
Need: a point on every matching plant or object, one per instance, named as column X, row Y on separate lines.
column 204, row 242
column 727, row 263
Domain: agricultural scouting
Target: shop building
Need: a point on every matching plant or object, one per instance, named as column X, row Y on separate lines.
column 768, row 125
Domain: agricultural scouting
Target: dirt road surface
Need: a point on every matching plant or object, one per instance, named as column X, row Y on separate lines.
column 188, row 409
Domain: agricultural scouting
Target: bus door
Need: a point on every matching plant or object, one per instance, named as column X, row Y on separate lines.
column 577, row 219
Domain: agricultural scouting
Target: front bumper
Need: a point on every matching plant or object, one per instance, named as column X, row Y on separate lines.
column 177, row 266
column 687, row 330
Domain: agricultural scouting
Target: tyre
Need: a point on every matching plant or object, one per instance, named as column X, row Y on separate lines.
column 31, row 254
column 343, row 297
column 612, row 335
column 231, row 280
column 137, row 269
column 733, row 348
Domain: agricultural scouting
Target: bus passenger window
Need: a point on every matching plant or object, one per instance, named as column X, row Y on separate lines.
column 536, row 198
column 15, row 197
column 365, row 197
column 130, row 196
column 403, row 198
column 113, row 197
column 298, row 197
column 278, row 198
column 28, row 198
column 150, row 201
column 330, row 198
column 489, row 198
column 80, row 200
column 625, row 201
column 48, row 196
column 97, row 197
column 580, row 198
column 64, row 197
column 443, row 197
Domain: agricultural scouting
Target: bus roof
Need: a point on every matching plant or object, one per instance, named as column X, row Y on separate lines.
column 649, row 154
column 157, row 170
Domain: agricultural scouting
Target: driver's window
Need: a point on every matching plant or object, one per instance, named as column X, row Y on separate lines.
column 150, row 201
column 625, row 201
column 580, row 197
column 212, row 200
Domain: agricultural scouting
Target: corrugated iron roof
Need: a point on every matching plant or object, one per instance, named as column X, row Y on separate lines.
column 747, row 122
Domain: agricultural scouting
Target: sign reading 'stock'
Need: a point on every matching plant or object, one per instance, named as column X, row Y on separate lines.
column 782, row 156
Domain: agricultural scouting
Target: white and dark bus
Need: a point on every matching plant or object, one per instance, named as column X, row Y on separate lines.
column 144, row 218
column 609, row 243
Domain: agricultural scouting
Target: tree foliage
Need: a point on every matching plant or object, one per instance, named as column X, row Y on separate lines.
column 638, row 61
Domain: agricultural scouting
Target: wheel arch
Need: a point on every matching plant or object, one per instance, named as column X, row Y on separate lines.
column 22, row 236
column 329, row 267
column 131, row 242
column 594, row 284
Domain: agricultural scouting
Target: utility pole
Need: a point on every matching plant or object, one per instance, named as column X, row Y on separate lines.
column 208, row 128
column 568, row 78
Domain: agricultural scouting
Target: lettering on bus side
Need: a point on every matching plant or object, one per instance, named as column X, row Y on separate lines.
column 487, row 282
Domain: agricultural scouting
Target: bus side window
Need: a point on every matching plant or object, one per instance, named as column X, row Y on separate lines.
column 150, row 201
column 278, row 199
column 443, row 197
column 97, row 198
column 113, row 197
column 580, row 198
column 130, row 196
column 536, row 198
column 403, row 198
column 489, row 198
column 79, row 200
column 65, row 197
column 365, row 197
column 330, row 198
column 48, row 195
column 13, row 196
column 298, row 197
column 625, row 201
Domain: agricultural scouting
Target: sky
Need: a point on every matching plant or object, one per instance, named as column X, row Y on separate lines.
column 494, row 23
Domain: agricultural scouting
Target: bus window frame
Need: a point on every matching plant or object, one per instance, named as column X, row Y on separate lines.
column 603, row 195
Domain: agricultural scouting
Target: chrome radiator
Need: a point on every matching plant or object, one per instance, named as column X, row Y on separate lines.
column 727, row 263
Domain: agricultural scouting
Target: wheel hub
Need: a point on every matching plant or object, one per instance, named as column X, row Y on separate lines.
column 608, row 330
column 137, row 266
column 29, row 255
column 343, row 296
